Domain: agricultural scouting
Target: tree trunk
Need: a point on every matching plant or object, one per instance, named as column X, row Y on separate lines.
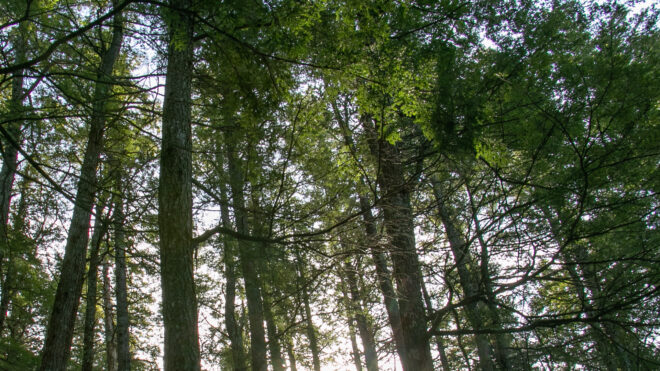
column 108, row 323
column 399, row 226
column 121, row 290
column 384, row 277
column 233, row 330
column 175, row 196
column 59, row 334
column 92, row 274
column 292, row 356
column 247, row 256
column 8, row 172
column 438, row 342
column 364, row 327
column 311, row 331
column 475, row 310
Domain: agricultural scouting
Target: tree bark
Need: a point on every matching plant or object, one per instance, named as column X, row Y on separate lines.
column 233, row 330
column 92, row 275
column 384, row 277
column 108, row 323
column 175, row 196
column 121, row 289
column 399, row 226
column 364, row 327
column 8, row 172
column 247, row 256
column 476, row 310
column 59, row 334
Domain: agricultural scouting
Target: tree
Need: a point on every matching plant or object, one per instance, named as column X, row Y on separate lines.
column 175, row 196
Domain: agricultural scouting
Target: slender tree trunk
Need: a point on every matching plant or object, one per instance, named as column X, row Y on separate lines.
column 438, row 341
column 399, row 227
column 502, row 340
column 247, row 256
column 59, row 334
column 475, row 310
column 108, row 323
column 311, row 331
column 273, row 337
column 351, row 328
column 8, row 172
column 292, row 356
column 121, row 289
column 384, row 277
column 92, row 274
column 175, row 196
column 364, row 327
column 233, row 329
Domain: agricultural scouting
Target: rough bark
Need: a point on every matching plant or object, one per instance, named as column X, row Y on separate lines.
column 92, row 275
column 175, row 196
column 399, row 226
column 108, row 322
column 247, row 256
column 121, row 289
column 233, row 330
column 59, row 333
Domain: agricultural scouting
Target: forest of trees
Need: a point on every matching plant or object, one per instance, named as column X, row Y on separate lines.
column 280, row 184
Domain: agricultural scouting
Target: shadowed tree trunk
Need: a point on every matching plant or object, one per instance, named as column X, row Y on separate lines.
column 175, row 196
column 10, row 155
column 475, row 311
column 292, row 356
column 233, row 330
column 311, row 331
column 351, row 327
column 59, row 333
column 399, row 227
column 121, row 290
column 364, row 327
column 100, row 227
column 247, row 256
column 384, row 277
column 108, row 323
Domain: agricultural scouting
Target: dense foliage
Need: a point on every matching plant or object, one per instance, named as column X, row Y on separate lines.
column 329, row 184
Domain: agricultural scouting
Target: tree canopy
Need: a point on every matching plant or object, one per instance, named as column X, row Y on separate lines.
column 271, row 185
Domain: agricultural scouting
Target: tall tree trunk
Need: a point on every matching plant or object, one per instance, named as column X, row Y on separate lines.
column 273, row 337
column 59, row 334
column 292, row 356
column 502, row 340
column 351, row 326
column 233, row 329
column 475, row 310
column 92, row 274
column 311, row 330
column 175, row 196
column 399, row 226
column 121, row 289
column 384, row 277
column 108, row 323
column 8, row 172
column 247, row 256
column 364, row 327
column 263, row 262
column 438, row 341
